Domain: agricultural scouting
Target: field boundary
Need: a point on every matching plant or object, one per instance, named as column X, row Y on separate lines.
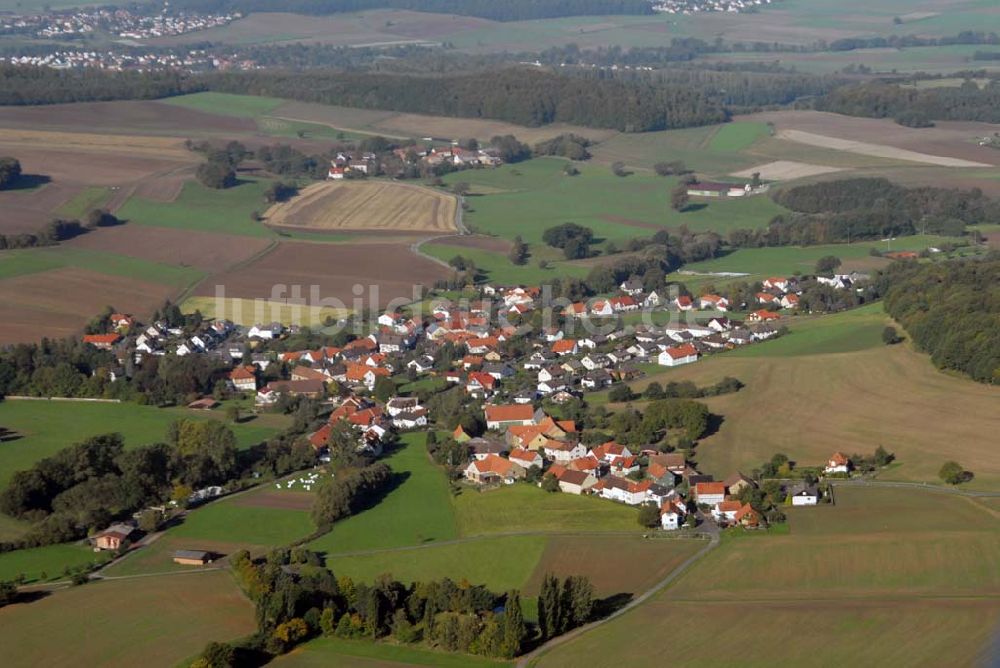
column 21, row 397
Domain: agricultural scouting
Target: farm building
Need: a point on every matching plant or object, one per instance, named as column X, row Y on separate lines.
column 804, row 495
column 192, row 557
column 113, row 537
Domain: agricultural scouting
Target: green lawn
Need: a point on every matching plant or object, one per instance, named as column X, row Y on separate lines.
column 525, row 507
column 199, row 208
column 500, row 563
column 497, row 268
column 225, row 104
column 48, row 426
column 47, row 563
column 364, row 654
column 232, row 521
column 416, row 512
column 738, row 136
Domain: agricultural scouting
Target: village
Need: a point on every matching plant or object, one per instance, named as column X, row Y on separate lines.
column 514, row 386
column 120, row 23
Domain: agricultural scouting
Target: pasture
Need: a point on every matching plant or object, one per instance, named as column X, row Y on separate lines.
column 48, row 563
column 884, row 568
column 850, row 393
column 327, row 651
column 45, row 427
column 367, row 205
column 417, row 511
column 164, row 619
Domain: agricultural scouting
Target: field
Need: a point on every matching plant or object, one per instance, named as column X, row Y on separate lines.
column 41, row 564
column 326, row 274
column 847, row 392
column 890, row 572
column 364, row 654
column 367, row 205
column 45, row 427
column 163, row 620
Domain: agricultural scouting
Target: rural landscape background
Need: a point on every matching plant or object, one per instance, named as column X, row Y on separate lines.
column 192, row 163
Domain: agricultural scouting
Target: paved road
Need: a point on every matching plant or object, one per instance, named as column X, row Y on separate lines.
column 707, row 528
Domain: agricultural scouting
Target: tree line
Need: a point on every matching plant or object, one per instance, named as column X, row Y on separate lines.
column 10, row 171
column 58, row 230
column 952, row 311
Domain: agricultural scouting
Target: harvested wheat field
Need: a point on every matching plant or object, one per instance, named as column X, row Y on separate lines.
column 785, row 170
column 187, row 248
column 367, row 205
column 318, row 272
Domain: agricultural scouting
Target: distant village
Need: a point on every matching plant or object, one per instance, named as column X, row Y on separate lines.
column 124, row 24
column 697, row 6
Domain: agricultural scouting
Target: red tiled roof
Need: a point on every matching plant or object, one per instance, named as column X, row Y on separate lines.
column 509, row 412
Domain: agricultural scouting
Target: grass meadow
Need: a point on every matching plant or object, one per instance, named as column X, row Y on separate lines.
column 842, row 389
column 164, row 620
column 43, row 564
column 35, row 260
column 45, row 427
column 226, row 104
column 899, row 577
column 200, row 208
column 366, row 654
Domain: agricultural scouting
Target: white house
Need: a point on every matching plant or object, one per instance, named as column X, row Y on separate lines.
column 677, row 355
column 268, row 332
column 710, row 493
column 672, row 515
column 576, row 482
column 838, row 463
column 804, row 495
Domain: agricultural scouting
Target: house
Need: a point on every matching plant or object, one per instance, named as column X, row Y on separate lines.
column 503, row 416
column 113, row 537
column 482, row 448
column 713, row 302
column 575, row 482
column 677, row 355
column 243, row 379
column 421, row 364
column 336, row 173
column 710, row 493
column 804, row 495
column 791, row 300
column 102, row 341
column 776, row 283
column 610, row 452
column 627, row 491
column 672, row 514
column 736, row 483
column 671, row 461
column 633, row 286
column 193, row 557
column 767, row 298
column 763, row 315
column 493, row 469
column 838, row 463
column 653, row 299
column 565, row 347
column 266, row 332
column 398, row 405
column 526, row 458
column 683, row 303
column 410, row 419
column 747, row 517
column 725, row 511
column 562, row 451
column 460, row 435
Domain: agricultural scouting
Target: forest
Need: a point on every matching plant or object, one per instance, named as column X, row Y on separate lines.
column 952, row 311
column 967, row 102
column 866, row 208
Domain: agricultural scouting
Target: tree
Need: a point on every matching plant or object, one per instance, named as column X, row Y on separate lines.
column 216, row 174
column 620, row 393
column 550, row 483
column 217, row 655
column 679, row 198
column 883, row 457
column 233, row 413
column 384, row 388
column 549, row 620
column 890, row 336
column 827, row 264
column 953, row 473
column 10, row 171
column 461, row 188
column 618, row 169
column 513, row 627
column 649, row 516
column 518, row 251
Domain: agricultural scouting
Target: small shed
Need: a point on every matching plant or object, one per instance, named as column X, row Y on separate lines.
column 192, row 557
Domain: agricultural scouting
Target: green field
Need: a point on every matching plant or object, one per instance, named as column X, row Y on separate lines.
column 160, row 620
column 35, row 260
column 200, row 208
column 499, row 563
column 365, row 654
column 225, row 104
column 498, row 268
column 46, row 427
column 41, row 564
column 898, row 577
column 736, row 137
column 416, row 512
column 528, row 508
column 858, row 329
column 93, row 197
